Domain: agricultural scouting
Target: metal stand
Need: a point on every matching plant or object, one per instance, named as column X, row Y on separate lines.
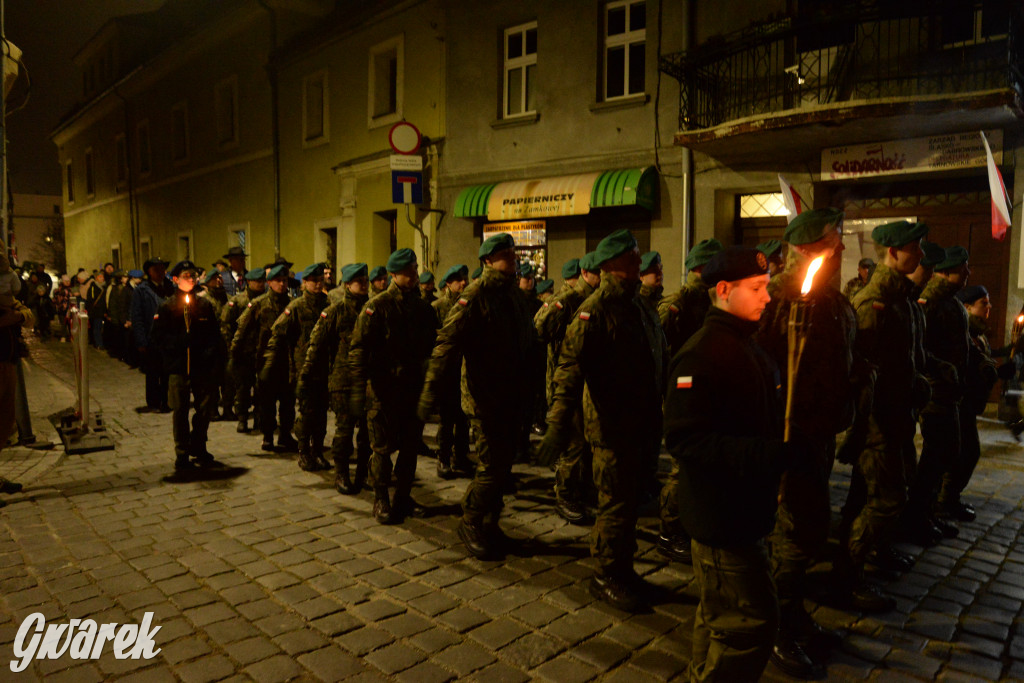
column 79, row 432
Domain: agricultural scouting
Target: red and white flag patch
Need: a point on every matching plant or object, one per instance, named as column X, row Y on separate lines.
column 673, row 308
column 368, row 311
column 463, row 302
column 684, row 382
column 558, row 304
column 287, row 311
column 584, row 315
column 323, row 315
column 878, row 305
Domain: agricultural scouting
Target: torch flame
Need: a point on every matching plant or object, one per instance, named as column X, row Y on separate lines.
column 186, row 298
column 811, row 271
column 1020, row 318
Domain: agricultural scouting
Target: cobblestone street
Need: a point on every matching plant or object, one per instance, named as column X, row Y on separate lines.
column 271, row 575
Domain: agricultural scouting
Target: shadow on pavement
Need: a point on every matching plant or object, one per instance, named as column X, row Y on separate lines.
column 206, row 474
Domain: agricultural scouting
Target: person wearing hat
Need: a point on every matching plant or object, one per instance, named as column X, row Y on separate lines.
column 616, row 349
column 378, row 280
column 453, row 429
column 427, row 288
column 545, row 290
column 537, row 406
column 187, row 334
column 723, row 424
column 234, row 272
column 242, row 370
column 683, row 313
column 213, row 290
column 477, row 272
column 489, row 335
column 864, row 269
column 830, row 379
column 250, row 342
column 652, row 278
column 879, row 444
column 573, row 466
column 387, row 356
column 118, row 300
column 284, row 357
column 324, row 375
column 44, row 277
column 570, row 274
column 772, row 249
column 146, row 299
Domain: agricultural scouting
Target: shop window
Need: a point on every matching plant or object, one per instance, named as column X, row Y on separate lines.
column 625, row 46
column 145, row 156
column 225, row 96
column 315, row 119
column 179, row 133
column 520, row 70
column 386, row 82
column 763, row 205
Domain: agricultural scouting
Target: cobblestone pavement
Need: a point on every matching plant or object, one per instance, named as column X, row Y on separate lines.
column 271, row 575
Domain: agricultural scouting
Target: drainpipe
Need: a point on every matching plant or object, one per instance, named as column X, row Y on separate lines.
column 689, row 212
column 275, row 127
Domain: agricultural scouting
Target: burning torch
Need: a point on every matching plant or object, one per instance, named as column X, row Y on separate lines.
column 188, row 348
column 799, row 325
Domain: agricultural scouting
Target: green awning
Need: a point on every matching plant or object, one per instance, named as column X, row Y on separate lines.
column 560, row 195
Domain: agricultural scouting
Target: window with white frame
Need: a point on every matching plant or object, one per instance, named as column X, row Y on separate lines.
column 520, row 70
column 625, row 44
column 90, row 174
column 386, row 82
column 69, row 176
column 315, row 114
column 142, row 145
column 179, row 132
column 121, row 160
column 225, row 105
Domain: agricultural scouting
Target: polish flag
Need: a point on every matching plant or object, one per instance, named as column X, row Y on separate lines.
column 1001, row 205
column 791, row 197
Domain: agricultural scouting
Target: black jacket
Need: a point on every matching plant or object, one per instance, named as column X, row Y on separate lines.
column 723, row 424
column 199, row 351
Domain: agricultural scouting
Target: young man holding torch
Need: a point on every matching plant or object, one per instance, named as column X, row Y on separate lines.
column 186, row 333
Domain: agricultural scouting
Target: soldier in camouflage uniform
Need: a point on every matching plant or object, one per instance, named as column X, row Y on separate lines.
column 427, row 287
column 285, row 355
column 251, row 340
column 573, row 468
column 214, row 292
column 325, row 372
column 613, row 360
column 823, row 403
column 453, row 430
column 545, row 290
column 772, row 249
column 489, row 334
column 879, row 440
column 378, row 280
column 243, row 372
column 681, row 315
column 386, row 360
column 650, row 295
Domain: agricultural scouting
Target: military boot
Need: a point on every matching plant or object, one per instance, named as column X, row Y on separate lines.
column 851, row 591
column 382, row 506
column 362, row 468
column 791, row 658
column 342, row 483
column 286, row 442
column 319, row 460
column 444, row 465
column 243, row 425
column 463, row 466
column 472, row 535
column 616, row 592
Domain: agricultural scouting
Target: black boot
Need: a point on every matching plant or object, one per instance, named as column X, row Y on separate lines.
column 286, row 443
column 675, row 547
column 306, row 459
column 382, row 507
column 342, row 483
column 618, row 593
column 793, row 660
column 444, row 465
column 359, row 481
column 475, row 540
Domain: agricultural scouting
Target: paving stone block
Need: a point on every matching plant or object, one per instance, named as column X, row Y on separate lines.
column 206, row 670
column 336, row 624
column 184, row 650
column 434, row 640
column 565, row 669
column 331, row 663
column 913, row 663
column 538, row 613
column 660, row 664
column 257, row 609
column 231, row 631
column 395, row 658
column 209, row 614
column 280, row 623
column 976, row 665
column 426, row 672
column 299, row 641
column 364, row 640
column 275, row 669
column 463, row 618
column 405, row 625
column 251, row 650
column 933, row 624
column 531, row 650
column 376, row 610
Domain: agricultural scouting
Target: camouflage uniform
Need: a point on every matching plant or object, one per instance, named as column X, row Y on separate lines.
column 250, row 342
column 327, row 357
column 489, row 333
column 218, row 298
column 387, row 357
column 823, row 404
column 289, row 338
column 243, row 371
column 573, row 470
column 853, row 286
column 453, row 430
column 879, row 445
column 613, row 359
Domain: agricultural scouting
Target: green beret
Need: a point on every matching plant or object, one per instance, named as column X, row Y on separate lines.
column 649, row 260
column 426, row 277
column 120, row 272
column 478, row 272
column 770, row 248
column 735, row 263
column 702, row 253
column 899, row 233
column 494, row 243
column 280, row 270
column 206, row 278
column 458, row 272
column 544, row 286
column 955, row 257
column 571, row 269
column 256, row 274
column 377, row 273
column 811, row 226
column 401, row 259
column 589, row 262
column 352, row 271
column 614, row 245
column 933, row 254
column 526, row 270
column 313, row 270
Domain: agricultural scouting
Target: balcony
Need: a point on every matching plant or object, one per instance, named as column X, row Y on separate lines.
column 880, row 70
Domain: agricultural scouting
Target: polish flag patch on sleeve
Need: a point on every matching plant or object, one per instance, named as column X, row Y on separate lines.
column 463, row 302
column 673, row 308
column 878, row 305
column 684, row 382
column 287, row 311
column 558, row 305
column 156, row 316
column 368, row 311
column 584, row 315
column 323, row 315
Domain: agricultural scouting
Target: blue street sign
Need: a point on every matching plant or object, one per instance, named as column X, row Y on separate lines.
column 407, row 187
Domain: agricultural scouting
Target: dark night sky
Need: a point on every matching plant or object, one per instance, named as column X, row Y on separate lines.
column 50, row 32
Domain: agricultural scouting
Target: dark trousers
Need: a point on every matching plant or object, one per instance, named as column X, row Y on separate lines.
column 182, row 391
column 496, row 440
column 453, row 430
column 344, row 429
column 277, row 399
column 955, row 480
column 941, row 433
column 156, row 379
column 394, row 429
column 613, row 540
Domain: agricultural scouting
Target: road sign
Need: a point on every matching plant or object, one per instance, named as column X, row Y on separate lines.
column 406, row 162
column 404, row 138
column 407, row 187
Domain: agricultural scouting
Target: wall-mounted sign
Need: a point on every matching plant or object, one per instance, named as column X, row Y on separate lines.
column 561, row 196
column 911, row 155
column 525, row 233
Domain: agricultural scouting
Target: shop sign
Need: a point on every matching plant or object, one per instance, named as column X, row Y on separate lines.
column 561, row 196
column 525, row 233
column 912, row 155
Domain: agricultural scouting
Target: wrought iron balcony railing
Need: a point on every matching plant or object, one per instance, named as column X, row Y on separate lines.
column 868, row 50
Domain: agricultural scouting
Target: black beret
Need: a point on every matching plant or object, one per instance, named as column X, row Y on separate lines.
column 955, row 257
column 972, row 293
column 734, row 263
